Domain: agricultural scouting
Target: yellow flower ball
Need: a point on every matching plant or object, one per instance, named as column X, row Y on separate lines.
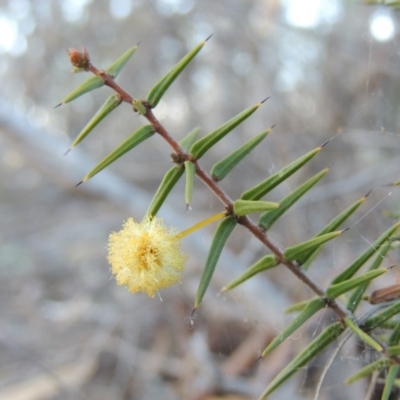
column 146, row 256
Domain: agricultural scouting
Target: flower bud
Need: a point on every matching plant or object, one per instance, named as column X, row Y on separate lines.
column 79, row 59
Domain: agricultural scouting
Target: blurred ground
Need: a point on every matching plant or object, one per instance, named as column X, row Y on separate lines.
column 68, row 331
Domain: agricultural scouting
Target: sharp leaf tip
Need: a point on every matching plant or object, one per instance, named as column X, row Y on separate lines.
column 258, row 359
column 263, row 101
column 369, row 192
column 324, row 144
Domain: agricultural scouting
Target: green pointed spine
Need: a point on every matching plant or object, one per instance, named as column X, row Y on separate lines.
column 244, row 207
column 92, row 83
column 368, row 370
column 270, row 217
column 295, row 252
column 265, row 263
column 381, row 317
column 157, row 91
column 357, row 295
column 221, row 235
column 360, row 261
column 312, row 307
column 169, row 181
column 205, row 143
column 222, row 168
column 307, row 258
column 258, row 191
column 143, row 133
column 116, row 67
column 338, row 289
column 326, row 337
column 110, row 105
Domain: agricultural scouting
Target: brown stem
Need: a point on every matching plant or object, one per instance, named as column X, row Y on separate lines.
column 164, row 133
column 258, row 232
column 246, row 221
column 109, row 81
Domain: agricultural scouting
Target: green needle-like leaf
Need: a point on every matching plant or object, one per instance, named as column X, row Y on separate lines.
column 157, row 91
column 395, row 336
column 389, row 381
column 270, row 217
column 368, row 370
column 95, row 82
column 187, row 142
column 382, row 316
column 312, row 307
column 316, row 346
column 338, row 289
column 190, row 170
column 360, row 261
column 393, row 369
column 116, row 67
column 222, row 168
column 393, row 350
column 331, row 226
column 205, row 143
column 300, row 306
column 357, row 295
column 143, row 133
column 221, row 235
column 389, row 325
column 295, row 252
column 391, row 214
column 110, row 104
column 170, row 179
column 244, row 207
column 263, row 264
column 362, row 335
column 258, row 191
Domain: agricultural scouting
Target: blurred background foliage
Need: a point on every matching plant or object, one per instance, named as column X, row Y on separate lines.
column 68, row 332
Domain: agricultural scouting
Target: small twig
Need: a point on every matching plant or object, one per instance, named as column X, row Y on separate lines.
column 109, row 81
column 219, row 192
column 245, row 221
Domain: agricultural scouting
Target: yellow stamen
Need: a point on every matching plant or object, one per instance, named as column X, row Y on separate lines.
column 146, row 256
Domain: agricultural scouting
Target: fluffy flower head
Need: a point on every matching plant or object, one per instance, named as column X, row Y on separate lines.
column 146, row 256
column 79, row 59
